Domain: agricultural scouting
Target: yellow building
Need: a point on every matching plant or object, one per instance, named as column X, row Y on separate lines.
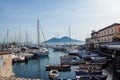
column 5, row 64
column 106, row 34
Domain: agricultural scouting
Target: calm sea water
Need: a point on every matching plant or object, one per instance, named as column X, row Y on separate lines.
column 36, row 68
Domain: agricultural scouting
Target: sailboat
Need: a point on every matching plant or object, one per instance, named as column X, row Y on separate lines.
column 42, row 51
column 71, row 49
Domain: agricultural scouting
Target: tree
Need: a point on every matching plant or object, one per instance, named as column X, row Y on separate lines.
column 116, row 38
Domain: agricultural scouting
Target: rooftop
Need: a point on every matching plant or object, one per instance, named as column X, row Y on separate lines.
column 115, row 24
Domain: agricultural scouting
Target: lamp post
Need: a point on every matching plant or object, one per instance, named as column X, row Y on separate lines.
column 97, row 43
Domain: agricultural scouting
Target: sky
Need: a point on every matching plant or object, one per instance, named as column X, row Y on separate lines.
column 55, row 17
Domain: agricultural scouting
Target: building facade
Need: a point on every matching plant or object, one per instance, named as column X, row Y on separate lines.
column 108, row 33
column 5, row 64
column 105, row 35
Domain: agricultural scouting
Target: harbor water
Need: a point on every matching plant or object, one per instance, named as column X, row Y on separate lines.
column 36, row 68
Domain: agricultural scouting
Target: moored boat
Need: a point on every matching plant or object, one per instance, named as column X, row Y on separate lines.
column 43, row 52
column 74, row 52
column 53, row 74
column 58, row 48
column 82, row 72
column 19, row 59
column 95, row 72
column 59, row 67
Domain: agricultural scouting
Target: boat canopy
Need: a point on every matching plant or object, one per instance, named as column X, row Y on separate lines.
column 33, row 48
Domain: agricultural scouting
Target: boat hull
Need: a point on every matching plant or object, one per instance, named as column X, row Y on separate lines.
column 42, row 54
column 59, row 68
column 81, row 73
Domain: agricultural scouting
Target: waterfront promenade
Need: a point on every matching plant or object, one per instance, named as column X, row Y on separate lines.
column 17, row 78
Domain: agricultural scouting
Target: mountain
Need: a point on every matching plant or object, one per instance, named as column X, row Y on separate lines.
column 62, row 40
column 52, row 40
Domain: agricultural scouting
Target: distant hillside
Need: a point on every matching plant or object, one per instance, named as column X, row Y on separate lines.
column 62, row 40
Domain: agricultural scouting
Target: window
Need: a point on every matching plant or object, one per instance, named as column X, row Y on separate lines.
column 101, row 33
column 108, row 32
column 112, row 30
column 104, row 32
column 118, row 29
column 105, row 40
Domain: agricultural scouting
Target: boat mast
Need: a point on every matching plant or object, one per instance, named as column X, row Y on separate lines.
column 15, row 40
column 7, row 35
column 26, row 37
column 69, row 32
column 20, row 35
column 38, row 33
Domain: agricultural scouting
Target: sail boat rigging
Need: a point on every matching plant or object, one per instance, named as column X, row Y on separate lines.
column 43, row 37
column 43, row 51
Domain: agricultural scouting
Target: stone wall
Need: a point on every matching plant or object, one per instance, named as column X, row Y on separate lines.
column 6, row 70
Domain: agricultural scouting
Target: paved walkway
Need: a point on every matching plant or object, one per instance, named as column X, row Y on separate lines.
column 16, row 78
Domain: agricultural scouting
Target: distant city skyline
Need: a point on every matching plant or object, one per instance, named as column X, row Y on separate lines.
column 55, row 17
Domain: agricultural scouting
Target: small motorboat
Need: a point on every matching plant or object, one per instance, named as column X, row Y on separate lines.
column 53, row 74
column 81, row 72
column 58, row 47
